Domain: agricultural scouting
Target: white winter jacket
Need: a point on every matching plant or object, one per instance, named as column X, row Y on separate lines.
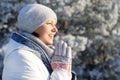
column 22, row 63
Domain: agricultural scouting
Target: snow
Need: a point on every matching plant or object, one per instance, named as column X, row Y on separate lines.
column 90, row 27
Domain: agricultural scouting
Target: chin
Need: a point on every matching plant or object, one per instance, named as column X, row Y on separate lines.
column 49, row 43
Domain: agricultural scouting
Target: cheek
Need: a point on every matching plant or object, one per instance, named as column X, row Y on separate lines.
column 44, row 32
column 43, row 35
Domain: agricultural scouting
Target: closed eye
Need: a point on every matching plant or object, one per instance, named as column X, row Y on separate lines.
column 49, row 23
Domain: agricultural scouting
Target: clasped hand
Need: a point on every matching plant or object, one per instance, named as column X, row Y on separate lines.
column 62, row 58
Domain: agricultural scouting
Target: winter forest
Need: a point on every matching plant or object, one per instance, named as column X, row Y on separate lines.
column 90, row 27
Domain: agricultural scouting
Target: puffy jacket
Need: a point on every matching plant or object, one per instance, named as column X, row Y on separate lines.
column 21, row 62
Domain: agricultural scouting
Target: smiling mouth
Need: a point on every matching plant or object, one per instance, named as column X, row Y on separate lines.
column 51, row 35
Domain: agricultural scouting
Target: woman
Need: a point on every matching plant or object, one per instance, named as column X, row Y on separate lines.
column 29, row 55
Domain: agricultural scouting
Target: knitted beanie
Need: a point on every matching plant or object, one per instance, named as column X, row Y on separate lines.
column 33, row 16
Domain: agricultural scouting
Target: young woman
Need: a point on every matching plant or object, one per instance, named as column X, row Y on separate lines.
column 29, row 55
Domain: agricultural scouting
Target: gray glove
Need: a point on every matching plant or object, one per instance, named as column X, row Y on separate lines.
column 62, row 58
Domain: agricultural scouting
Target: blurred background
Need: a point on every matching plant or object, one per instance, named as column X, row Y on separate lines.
column 91, row 27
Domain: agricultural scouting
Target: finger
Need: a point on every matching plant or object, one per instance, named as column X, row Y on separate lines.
column 68, row 51
column 64, row 46
column 60, row 47
column 56, row 48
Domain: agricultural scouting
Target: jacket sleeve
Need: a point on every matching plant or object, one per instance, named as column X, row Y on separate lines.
column 24, row 65
column 59, row 74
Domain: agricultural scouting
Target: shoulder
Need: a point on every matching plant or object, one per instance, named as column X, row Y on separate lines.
column 22, row 54
column 21, row 59
column 18, row 50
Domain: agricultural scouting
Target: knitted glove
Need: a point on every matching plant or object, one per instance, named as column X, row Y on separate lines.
column 62, row 58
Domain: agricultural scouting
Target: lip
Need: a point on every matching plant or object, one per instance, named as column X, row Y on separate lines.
column 51, row 35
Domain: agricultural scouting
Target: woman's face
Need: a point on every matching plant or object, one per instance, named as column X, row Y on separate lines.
column 47, row 31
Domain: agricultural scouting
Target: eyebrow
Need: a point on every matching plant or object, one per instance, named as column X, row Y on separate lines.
column 51, row 22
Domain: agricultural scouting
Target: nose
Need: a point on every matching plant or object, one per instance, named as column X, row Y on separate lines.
column 55, row 29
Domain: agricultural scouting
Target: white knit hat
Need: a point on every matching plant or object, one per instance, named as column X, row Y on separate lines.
column 33, row 16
